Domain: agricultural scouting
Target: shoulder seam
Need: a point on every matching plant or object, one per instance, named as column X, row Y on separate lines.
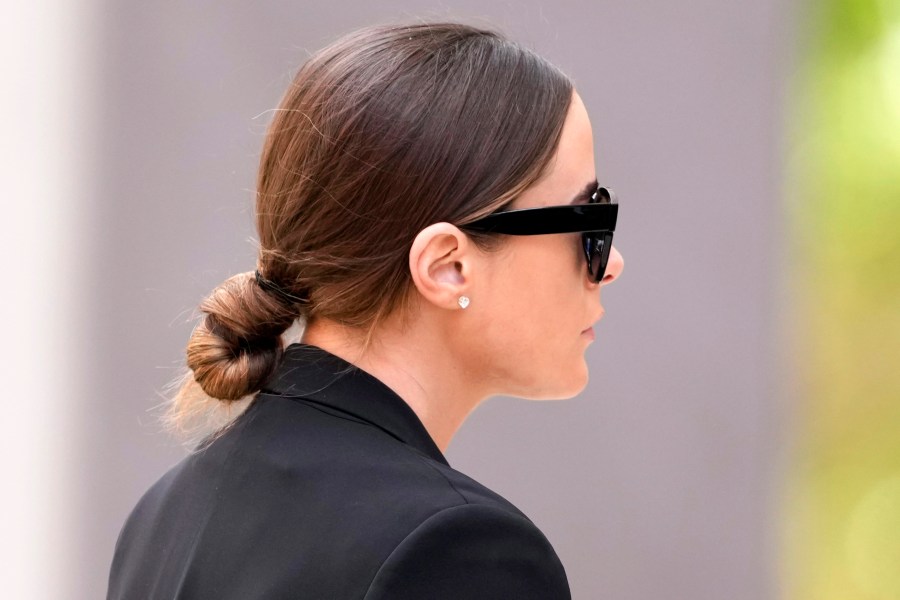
column 429, row 462
column 431, row 517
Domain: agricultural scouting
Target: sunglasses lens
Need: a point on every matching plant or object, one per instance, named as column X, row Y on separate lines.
column 597, row 245
column 604, row 196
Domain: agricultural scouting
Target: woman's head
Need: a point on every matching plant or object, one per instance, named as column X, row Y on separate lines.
column 380, row 135
column 532, row 301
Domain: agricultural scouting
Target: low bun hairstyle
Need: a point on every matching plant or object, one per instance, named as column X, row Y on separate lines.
column 382, row 133
column 236, row 347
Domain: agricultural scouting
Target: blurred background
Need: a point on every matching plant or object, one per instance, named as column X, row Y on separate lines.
column 842, row 198
column 741, row 431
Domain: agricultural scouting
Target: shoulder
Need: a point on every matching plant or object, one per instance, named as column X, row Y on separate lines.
column 318, row 503
column 469, row 551
column 431, row 531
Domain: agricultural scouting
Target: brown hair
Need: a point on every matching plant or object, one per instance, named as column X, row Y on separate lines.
column 382, row 133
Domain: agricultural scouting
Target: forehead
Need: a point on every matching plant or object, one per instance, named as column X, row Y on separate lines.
column 572, row 166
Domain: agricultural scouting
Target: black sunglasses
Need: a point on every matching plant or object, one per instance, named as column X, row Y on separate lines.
column 596, row 221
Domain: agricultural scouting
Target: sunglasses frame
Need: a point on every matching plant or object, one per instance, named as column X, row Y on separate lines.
column 596, row 221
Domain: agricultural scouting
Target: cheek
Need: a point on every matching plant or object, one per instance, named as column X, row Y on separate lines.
column 524, row 286
column 553, row 283
column 532, row 327
column 529, row 286
column 500, row 312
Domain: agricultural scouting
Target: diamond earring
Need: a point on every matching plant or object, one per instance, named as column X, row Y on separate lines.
column 463, row 301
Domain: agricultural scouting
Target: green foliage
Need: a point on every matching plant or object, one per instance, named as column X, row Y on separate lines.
column 844, row 200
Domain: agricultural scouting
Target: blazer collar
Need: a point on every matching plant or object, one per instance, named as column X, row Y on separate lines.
column 315, row 375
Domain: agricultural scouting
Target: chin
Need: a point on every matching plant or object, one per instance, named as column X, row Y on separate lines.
column 562, row 385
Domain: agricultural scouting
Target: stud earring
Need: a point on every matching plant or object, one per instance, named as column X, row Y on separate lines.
column 463, row 301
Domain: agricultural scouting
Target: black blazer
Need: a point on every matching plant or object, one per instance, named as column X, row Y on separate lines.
column 328, row 487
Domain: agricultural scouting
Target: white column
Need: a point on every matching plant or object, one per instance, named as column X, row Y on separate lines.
column 45, row 88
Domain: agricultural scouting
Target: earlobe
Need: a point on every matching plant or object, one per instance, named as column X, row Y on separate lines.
column 439, row 262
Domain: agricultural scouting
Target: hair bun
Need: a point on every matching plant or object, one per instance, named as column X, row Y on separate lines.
column 238, row 345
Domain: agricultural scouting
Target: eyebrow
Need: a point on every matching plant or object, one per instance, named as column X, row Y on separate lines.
column 585, row 194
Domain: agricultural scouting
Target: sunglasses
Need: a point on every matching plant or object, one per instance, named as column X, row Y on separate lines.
column 596, row 221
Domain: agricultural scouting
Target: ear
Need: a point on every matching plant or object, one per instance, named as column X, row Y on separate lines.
column 440, row 261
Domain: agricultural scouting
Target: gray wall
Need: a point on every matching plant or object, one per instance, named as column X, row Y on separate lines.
column 660, row 479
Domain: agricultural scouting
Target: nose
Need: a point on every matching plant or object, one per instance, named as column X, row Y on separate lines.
column 614, row 267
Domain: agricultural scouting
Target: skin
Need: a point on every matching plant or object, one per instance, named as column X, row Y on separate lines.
column 530, row 318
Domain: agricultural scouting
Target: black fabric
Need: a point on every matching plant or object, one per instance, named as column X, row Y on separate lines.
column 328, row 487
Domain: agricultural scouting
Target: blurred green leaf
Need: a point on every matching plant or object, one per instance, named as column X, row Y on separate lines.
column 843, row 513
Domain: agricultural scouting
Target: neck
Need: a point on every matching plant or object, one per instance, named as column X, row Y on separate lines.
column 414, row 362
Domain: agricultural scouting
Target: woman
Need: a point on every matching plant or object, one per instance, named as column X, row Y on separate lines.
column 427, row 205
